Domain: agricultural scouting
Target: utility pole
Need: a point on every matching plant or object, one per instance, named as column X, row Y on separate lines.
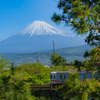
column 53, row 46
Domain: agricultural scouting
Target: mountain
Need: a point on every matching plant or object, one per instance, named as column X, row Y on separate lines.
column 41, row 28
column 69, row 53
column 38, row 36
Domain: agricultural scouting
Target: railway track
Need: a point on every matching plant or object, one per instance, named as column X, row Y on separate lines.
column 43, row 88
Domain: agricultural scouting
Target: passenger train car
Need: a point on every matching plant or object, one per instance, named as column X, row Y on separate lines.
column 58, row 78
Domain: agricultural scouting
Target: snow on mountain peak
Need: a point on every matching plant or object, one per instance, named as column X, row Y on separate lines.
column 41, row 28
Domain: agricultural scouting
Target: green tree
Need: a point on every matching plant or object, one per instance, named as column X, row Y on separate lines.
column 71, row 62
column 93, row 62
column 19, row 87
column 86, row 54
column 4, row 78
column 37, row 73
column 4, row 63
column 57, row 60
column 78, row 64
column 4, row 84
column 13, row 83
column 83, row 16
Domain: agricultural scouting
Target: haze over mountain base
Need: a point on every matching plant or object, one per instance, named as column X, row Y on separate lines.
column 70, row 54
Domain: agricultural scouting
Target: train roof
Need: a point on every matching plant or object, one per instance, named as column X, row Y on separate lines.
column 58, row 72
column 67, row 72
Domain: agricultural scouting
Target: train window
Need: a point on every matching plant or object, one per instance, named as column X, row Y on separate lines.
column 85, row 76
column 96, row 76
column 67, row 75
column 61, row 76
column 88, row 75
column 92, row 76
column 82, row 76
column 53, row 76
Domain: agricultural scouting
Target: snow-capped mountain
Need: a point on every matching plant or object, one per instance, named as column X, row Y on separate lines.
column 38, row 36
column 41, row 28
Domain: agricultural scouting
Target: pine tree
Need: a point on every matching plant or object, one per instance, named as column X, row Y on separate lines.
column 83, row 16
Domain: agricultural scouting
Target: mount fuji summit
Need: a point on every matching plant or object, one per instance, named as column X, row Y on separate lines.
column 38, row 36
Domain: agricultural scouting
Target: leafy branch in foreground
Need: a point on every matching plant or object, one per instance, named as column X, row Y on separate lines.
column 83, row 16
column 93, row 62
column 73, row 89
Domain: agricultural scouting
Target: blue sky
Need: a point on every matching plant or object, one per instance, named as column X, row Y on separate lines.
column 15, row 15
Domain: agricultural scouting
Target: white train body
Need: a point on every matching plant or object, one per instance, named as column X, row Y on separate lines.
column 60, row 77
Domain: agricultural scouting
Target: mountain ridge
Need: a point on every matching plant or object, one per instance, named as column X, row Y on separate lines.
column 70, row 54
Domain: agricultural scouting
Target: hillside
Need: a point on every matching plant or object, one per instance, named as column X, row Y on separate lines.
column 70, row 54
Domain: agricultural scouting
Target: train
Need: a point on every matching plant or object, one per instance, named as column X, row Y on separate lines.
column 58, row 78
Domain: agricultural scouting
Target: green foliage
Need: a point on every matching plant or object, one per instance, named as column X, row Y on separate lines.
column 16, row 86
column 40, row 98
column 39, row 74
column 57, row 60
column 83, row 16
column 59, row 68
column 93, row 62
column 4, row 84
column 19, row 89
column 86, row 54
column 78, row 64
column 73, row 89
column 71, row 63
column 4, row 63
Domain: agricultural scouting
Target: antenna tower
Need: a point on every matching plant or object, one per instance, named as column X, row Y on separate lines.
column 53, row 46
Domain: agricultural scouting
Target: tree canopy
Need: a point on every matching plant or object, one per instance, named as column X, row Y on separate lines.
column 57, row 60
column 93, row 62
column 83, row 16
column 73, row 89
